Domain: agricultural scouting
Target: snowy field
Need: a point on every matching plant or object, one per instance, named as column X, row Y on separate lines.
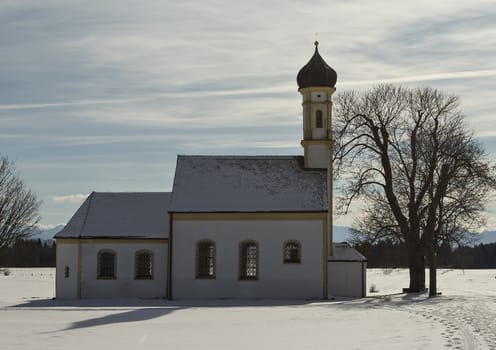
column 464, row 317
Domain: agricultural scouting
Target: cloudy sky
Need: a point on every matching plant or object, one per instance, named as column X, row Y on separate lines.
column 102, row 95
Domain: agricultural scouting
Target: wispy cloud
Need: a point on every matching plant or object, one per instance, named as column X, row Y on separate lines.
column 491, row 216
column 95, row 91
column 426, row 77
column 71, row 198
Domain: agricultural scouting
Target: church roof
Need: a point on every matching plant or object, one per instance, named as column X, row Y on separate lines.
column 316, row 72
column 120, row 215
column 247, row 184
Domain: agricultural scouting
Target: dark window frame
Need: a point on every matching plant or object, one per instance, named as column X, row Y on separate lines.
column 292, row 252
column 206, row 259
column 143, row 265
column 319, row 119
column 106, row 264
column 249, row 267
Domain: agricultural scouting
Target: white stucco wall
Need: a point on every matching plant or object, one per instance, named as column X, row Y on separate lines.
column 275, row 279
column 66, row 287
column 317, row 156
column 125, row 285
column 347, row 278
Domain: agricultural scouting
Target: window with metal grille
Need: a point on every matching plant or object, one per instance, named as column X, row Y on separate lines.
column 248, row 261
column 292, row 252
column 143, row 265
column 106, row 264
column 319, row 120
column 205, row 259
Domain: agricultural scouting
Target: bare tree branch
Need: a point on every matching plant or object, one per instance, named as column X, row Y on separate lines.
column 18, row 206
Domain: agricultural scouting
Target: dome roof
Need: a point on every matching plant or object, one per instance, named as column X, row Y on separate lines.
column 316, row 72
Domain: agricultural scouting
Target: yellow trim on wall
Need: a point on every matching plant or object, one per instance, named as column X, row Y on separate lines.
column 169, row 257
column 79, row 270
column 305, row 157
column 315, row 142
column 307, row 119
column 330, row 204
column 324, row 259
column 309, row 89
column 249, row 216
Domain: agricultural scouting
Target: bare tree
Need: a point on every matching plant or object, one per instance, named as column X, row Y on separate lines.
column 462, row 182
column 407, row 154
column 18, row 206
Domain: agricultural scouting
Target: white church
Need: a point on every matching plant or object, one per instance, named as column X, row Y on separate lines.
column 240, row 227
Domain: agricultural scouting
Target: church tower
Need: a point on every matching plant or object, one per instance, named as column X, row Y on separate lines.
column 316, row 81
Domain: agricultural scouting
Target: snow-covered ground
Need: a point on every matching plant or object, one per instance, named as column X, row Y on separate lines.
column 464, row 317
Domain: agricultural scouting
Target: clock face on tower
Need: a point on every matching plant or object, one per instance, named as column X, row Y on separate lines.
column 319, row 96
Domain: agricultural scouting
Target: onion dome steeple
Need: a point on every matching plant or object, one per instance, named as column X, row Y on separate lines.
column 316, row 72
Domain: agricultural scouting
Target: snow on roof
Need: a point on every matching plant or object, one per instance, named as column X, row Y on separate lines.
column 344, row 252
column 120, row 215
column 247, row 184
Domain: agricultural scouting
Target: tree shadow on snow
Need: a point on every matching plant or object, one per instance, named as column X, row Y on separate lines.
column 137, row 315
column 390, row 301
column 137, row 310
column 83, row 304
column 115, row 310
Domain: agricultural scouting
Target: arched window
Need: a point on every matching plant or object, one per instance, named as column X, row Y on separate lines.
column 106, row 264
column 248, row 260
column 319, row 120
column 143, row 265
column 205, row 259
column 292, row 252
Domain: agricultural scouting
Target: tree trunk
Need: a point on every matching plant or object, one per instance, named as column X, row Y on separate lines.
column 416, row 264
column 432, row 260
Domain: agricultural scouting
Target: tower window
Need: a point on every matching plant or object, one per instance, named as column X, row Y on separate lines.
column 319, row 121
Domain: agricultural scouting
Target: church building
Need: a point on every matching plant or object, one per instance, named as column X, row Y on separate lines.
column 232, row 227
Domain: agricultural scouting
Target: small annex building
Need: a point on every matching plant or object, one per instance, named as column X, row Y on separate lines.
column 232, row 227
column 115, row 246
column 347, row 271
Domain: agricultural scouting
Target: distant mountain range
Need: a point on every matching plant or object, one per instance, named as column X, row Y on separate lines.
column 341, row 234
column 47, row 235
column 487, row 237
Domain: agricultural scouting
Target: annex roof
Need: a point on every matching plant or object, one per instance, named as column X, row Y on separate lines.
column 120, row 215
column 344, row 252
column 247, row 184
